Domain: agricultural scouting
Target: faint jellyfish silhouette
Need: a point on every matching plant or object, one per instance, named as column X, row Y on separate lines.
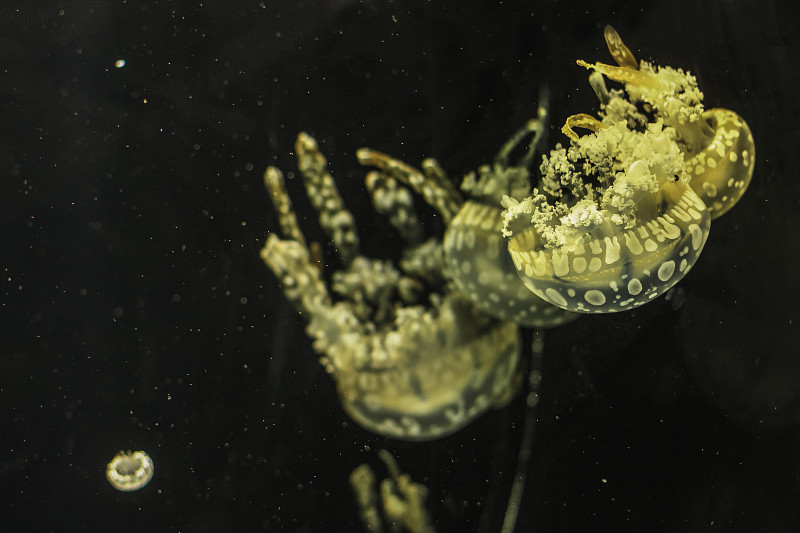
column 402, row 501
column 129, row 471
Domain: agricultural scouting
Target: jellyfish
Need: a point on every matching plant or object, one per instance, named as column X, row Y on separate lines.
column 621, row 214
column 129, row 471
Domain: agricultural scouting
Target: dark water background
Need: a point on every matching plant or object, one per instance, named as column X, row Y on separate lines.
column 135, row 312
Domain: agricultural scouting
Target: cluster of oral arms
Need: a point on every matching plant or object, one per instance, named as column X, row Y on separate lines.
column 420, row 348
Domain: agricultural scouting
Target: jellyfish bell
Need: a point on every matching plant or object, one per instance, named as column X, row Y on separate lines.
column 474, row 249
column 720, row 158
column 613, row 225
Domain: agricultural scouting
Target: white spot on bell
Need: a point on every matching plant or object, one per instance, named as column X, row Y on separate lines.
column 634, row 286
column 595, row 297
column 697, row 236
column 666, row 270
column 556, row 297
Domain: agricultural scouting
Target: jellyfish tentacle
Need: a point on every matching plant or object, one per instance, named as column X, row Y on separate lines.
column 627, row 69
column 290, row 258
column 402, row 500
column 621, row 53
column 396, row 204
column 337, row 222
column 432, row 185
column 287, row 219
column 534, row 127
column 581, row 120
column 623, row 74
column 436, row 176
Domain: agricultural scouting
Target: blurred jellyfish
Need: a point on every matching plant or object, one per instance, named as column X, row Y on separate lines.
column 129, row 471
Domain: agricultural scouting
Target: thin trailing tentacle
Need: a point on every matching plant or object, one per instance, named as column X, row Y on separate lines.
column 528, row 432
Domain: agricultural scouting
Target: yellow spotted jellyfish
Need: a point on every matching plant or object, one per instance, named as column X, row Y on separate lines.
column 621, row 214
column 129, row 471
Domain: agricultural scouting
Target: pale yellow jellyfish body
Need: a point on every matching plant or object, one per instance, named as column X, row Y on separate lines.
column 412, row 359
column 622, row 213
column 129, row 471
column 624, row 238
